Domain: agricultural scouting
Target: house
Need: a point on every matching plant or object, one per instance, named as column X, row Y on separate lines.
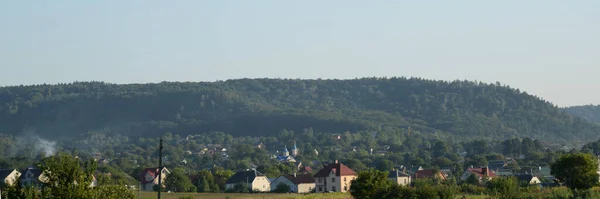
column 399, row 178
column 480, row 173
column 259, row 145
column 32, row 176
column 410, row 170
column 335, row 177
column 285, row 156
column 496, row 165
column 299, row 183
column 257, row 181
column 528, row 178
column 543, row 173
column 149, row 177
column 9, row 176
column 429, row 174
column 305, row 170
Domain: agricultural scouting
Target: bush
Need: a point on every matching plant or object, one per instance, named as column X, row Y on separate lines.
column 447, row 192
column 471, row 189
column 503, row 187
column 186, row 197
column 282, row 188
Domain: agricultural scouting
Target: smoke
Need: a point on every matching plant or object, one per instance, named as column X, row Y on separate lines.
column 46, row 146
column 32, row 145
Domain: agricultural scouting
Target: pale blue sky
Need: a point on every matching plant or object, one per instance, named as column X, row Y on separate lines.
column 550, row 48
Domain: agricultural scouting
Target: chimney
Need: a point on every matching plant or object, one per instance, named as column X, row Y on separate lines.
column 336, row 161
column 294, row 174
column 485, row 172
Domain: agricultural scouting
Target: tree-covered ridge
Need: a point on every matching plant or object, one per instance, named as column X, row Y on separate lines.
column 588, row 112
column 261, row 107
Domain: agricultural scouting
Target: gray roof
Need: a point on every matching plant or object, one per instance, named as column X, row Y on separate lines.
column 5, row 172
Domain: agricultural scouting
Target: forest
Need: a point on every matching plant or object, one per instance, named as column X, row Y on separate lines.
column 460, row 110
column 590, row 113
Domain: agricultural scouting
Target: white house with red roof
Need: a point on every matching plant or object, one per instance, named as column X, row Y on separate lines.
column 149, row 178
column 335, row 177
column 480, row 173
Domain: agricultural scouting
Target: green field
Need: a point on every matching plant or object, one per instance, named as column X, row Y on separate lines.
column 152, row 195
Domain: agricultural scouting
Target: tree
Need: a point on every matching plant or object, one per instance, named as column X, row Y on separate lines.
column 503, row 187
column 472, row 179
column 68, row 177
column 577, row 171
column 282, row 188
column 178, row 181
column 368, row 183
column 203, row 185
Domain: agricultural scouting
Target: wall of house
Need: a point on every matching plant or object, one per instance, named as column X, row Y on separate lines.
column 345, row 183
column 404, row 181
column 261, row 184
column 12, row 178
column 320, row 185
column 305, row 188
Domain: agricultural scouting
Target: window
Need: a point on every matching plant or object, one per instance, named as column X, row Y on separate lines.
column 345, row 188
column 405, row 181
column 332, row 179
column 333, row 188
column 344, row 179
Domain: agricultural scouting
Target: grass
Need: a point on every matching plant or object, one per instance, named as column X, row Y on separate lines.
column 152, row 195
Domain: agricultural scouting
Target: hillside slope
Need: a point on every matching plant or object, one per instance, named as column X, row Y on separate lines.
column 588, row 112
column 262, row 107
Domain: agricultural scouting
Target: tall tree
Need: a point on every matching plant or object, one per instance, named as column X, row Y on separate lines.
column 178, row 181
column 369, row 183
column 577, row 171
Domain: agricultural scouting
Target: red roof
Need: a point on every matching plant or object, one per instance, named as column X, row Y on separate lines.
column 152, row 171
column 480, row 172
column 338, row 168
column 428, row 173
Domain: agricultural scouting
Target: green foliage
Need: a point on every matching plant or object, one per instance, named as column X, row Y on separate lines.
column 369, row 183
column 504, row 187
column 68, row 177
column 266, row 106
column 282, row 188
column 472, row 180
column 577, row 171
column 178, row 181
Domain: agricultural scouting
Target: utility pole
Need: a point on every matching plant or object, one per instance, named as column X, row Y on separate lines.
column 160, row 148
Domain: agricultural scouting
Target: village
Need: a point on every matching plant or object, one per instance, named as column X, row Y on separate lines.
column 334, row 176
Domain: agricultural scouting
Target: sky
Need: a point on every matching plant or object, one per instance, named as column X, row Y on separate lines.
column 548, row 48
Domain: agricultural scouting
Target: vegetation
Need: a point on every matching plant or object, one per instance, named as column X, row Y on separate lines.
column 588, row 112
column 577, row 171
column 67, row 177
column 263, row 107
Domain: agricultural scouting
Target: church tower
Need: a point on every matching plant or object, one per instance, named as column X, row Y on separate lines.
column 286, row 153
column 294, row 150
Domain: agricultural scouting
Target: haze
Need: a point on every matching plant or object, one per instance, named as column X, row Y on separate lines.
column 548, row 48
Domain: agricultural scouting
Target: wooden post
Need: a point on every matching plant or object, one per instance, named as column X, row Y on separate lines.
column 160, row 148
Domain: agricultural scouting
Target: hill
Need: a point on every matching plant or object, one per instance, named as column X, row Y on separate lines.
column 588, row 112
column 261, row 107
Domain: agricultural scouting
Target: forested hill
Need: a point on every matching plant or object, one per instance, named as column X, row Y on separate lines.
column 260, row 107
column 588, row 112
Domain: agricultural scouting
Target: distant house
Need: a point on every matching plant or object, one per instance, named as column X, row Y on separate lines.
column 410, row 170
column 149, row 178
column 32, row 176
column 496, row 165
column 305, row 170
column 255, row 180
column 299, row 183
column 335, row 177
column 9, row 176
column 528, row 178
column 480, row 173
column 429, row 174
column 399, row 177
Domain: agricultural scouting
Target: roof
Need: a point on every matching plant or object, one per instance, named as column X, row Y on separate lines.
column 480, row 172
column 152, row 171
column 306, row 169
column 5, row 172
column 496, row 164
column 244, row 176
column 396, row 173
column 339, row 169
column 427, row 173
column 524, row 177
column 300, row 178
column 36, row 172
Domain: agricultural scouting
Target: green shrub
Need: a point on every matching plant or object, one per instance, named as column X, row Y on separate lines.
column 471, row 189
